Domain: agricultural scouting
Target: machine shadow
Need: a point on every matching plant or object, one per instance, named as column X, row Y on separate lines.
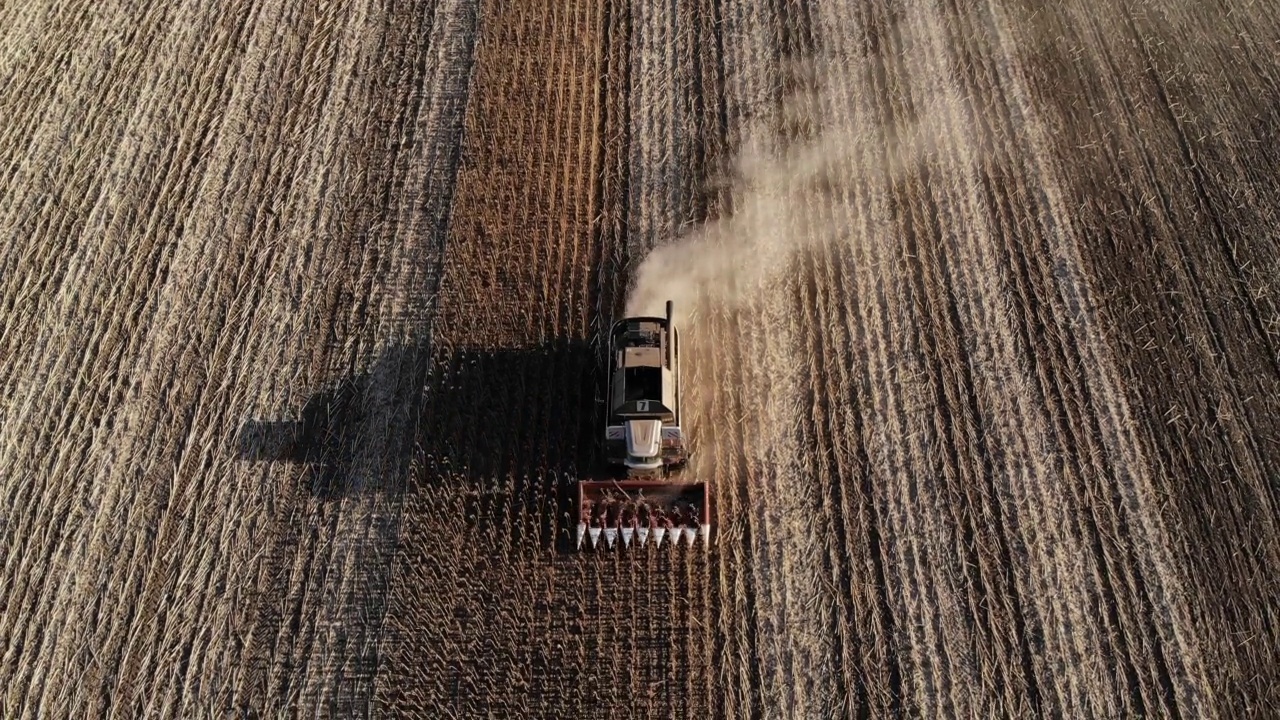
column 508, row 428
column 329, row 435
column 512, row 429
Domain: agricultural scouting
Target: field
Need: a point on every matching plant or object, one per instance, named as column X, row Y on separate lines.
column 300, row 342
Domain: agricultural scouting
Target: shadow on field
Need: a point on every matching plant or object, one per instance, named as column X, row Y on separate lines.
column 512, row 427
column 354, row 435
column 506, row 427
column 489, row 434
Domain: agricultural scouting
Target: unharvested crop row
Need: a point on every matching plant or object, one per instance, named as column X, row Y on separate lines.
column 488, row 613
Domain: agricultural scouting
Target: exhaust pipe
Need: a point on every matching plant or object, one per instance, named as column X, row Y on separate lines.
column 670, row 329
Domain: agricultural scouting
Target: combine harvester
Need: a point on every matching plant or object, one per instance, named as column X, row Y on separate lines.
column 645, row 444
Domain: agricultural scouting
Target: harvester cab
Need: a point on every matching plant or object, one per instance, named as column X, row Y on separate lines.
column 643, row 430
column 644, row 445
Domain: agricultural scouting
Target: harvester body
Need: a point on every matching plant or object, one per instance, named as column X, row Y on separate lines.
column 645, row 446
column 643, row 431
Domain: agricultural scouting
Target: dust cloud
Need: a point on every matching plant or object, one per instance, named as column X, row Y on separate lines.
column 790, row 184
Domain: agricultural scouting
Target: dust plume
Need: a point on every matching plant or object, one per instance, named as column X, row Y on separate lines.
column 788, row 182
